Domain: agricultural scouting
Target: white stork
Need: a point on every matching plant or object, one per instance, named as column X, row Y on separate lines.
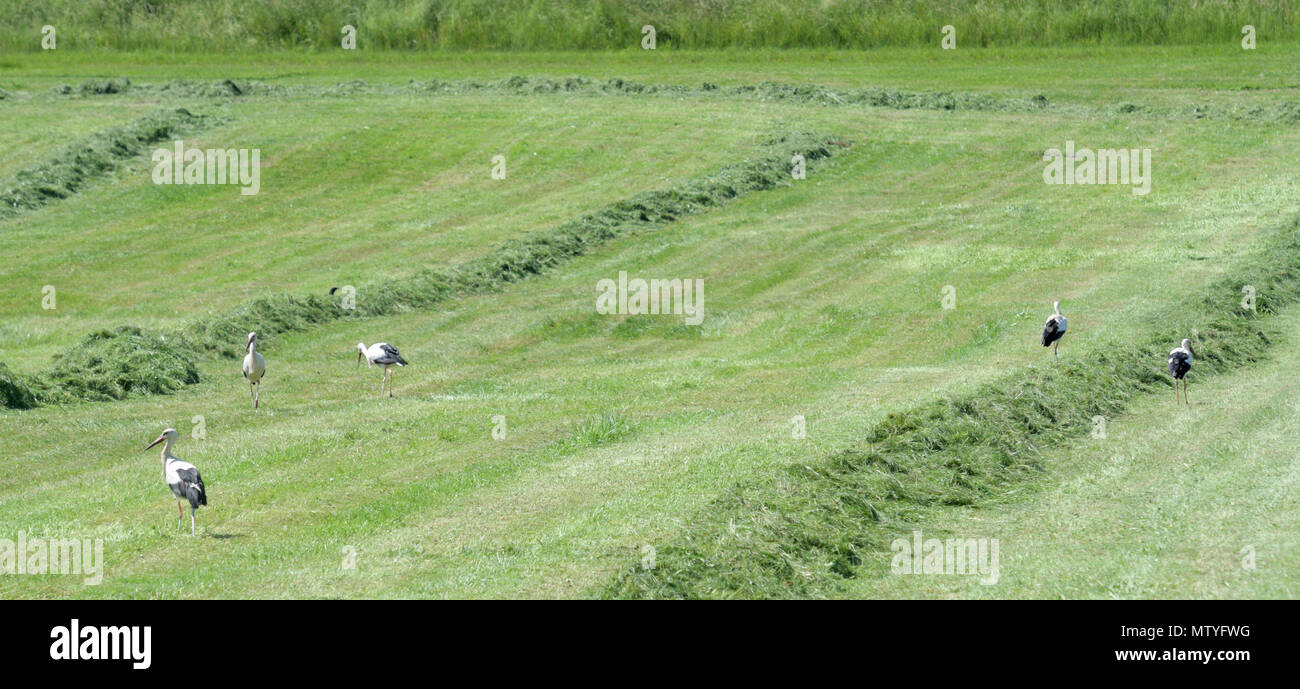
column 254, row 368
column 1054, row 329
column 1180, row 362
column 182, row 477
column 385, row 355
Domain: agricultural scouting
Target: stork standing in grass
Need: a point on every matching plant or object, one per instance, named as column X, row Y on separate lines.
column 1054, row 329
column 182, row 477
column 1180, row 362
column 385, row 355
column 254, row 368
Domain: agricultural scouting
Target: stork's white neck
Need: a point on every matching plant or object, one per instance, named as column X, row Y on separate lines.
column 167, row 451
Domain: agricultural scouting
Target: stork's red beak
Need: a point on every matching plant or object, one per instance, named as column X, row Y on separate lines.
column 159, row 440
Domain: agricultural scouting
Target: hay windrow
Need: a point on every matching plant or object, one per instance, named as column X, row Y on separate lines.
column 803, row 530
column 1286, row 113
column 115, row 364
column 111, row 369
column 69, row 170
column 15, row 391
column 521, row 85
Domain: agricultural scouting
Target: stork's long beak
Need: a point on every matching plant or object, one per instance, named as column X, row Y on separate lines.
column 159, row 440
column 358, row 358
column 1190, row 350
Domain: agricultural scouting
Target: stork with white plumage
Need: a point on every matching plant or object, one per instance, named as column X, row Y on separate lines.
column 385, row 355
column 254, row 368
column 1180, row 362
column 182, row 477
column 1054, row 329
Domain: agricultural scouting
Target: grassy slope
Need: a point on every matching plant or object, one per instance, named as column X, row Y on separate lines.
column 833, row 283
column 28, row 134
column 1161, row 507
column 409, row 188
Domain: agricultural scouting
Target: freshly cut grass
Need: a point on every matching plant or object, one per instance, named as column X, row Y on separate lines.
column 15, row 391
column 1286, row 112
column 1167, row 503
column 113, row 365
column 532, row 85
column 68, row 171
column 824, row 303
column 519, row 259
column 805, row 530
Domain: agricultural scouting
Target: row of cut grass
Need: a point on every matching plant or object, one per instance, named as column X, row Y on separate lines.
column 807, row 529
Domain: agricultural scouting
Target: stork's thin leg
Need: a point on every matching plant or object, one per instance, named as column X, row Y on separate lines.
column 191, row 520
column 390, row 383
column 1185, row 393
column 180, row 515
column 1054, row 346
column 257, row 396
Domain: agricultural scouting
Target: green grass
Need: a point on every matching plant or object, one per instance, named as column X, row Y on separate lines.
column 806, row 530
column 822, row 300
column 68, row 171
column 1171, row 503
column 224, row 25
column 408, row 173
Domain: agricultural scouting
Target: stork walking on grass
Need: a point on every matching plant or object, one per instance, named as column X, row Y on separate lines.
column 182, row 477
column 1054, row 329
column 1180, row 362
column 254, row 368
column 385, row 355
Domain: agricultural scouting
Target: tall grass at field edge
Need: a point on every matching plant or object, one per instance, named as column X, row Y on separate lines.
column 230, row 25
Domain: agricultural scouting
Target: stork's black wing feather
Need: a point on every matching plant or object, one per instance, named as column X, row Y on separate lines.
column 1179, row 365
column 391, row 356
column 192, row 485
column 1051, row 333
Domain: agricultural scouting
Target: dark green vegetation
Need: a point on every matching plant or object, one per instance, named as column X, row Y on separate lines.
column 230, row 25
column 110, row 365
column 805, row 530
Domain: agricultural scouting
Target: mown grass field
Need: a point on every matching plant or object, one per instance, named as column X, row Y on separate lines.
column 822, row 300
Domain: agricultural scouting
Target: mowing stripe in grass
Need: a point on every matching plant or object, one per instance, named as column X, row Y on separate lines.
column 803, row 530
column 518, row 259
column 69, row 170
column 126, row 361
